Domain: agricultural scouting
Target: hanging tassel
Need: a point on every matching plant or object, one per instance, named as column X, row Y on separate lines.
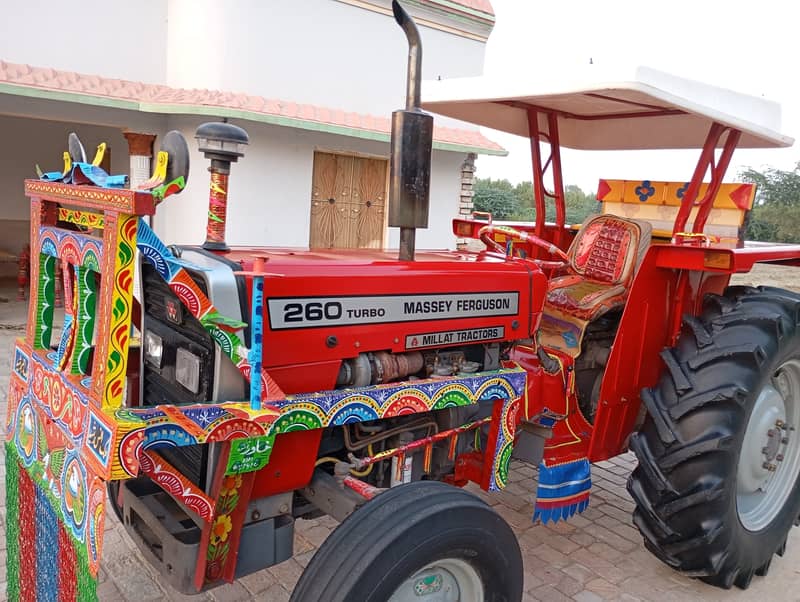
column 563, row 490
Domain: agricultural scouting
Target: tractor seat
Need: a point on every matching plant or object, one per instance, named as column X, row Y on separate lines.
column 602, row 262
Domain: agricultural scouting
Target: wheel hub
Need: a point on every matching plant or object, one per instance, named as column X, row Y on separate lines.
column 769, row 460
column 447, row 580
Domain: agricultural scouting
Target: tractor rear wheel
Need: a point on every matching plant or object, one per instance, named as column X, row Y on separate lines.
column 421, row 539
column 716, row 487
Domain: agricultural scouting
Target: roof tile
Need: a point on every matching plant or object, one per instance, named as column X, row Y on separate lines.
column 43, row 78
column 484, row 6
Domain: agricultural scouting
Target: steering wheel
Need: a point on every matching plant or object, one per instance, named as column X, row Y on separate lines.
column 486, row 232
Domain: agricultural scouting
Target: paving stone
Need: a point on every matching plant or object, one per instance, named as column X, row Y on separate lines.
column 530, row 581
column 582, row 538
column 569, row 586
column 521, row 488
column 614, row 541
column 562, row 544
column 287, row 573
column 646, row 588
column 328, row 521
column 276, row 593
column 519, row 522
column 509, row 499
column 316, row 535
column 551, row 556
column 105, row 591
column 304, row 558
column 259, row 581
column 613, row 511
column 548, row 593
column 579, row 520
column 562, row 527
column 603, row 567
column 603, row 588
column 579, row 572
column 587, row 596
column 176, row 596
column 489, row 498
column 609, row 476
column 547, row 575
column 532, row 539
column 230, row 592
column 301, row 544
column 125, row 571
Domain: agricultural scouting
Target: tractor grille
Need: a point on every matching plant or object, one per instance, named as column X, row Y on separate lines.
column 184, row 332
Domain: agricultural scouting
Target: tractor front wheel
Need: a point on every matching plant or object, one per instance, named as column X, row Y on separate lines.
column 716, row 487
column 421, row 539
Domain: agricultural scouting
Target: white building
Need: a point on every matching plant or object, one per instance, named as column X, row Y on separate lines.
column 312, row 81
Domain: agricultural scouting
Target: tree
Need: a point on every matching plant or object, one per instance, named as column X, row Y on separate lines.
column 495, row 196
column 508, row 202
column 776, row 213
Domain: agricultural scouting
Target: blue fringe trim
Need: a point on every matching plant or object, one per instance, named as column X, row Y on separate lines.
column 563, row 490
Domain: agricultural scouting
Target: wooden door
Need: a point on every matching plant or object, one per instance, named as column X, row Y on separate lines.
column 348, row 200
column 369, row 202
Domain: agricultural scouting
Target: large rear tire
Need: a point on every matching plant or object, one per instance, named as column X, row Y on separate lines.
column 716, row 487
column 414, row 540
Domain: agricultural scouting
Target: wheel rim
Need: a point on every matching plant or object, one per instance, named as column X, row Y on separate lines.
column 446, row 580
column 769, row 462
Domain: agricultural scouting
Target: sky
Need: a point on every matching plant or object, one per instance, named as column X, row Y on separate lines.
column 749, row 47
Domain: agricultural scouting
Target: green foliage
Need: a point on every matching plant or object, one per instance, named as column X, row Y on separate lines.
column 495, row 196
column 506, row 201
column 776, row 214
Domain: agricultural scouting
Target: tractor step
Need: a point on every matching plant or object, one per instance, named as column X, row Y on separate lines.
column 170, row 538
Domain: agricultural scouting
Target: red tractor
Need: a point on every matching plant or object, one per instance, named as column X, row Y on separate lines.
column 277, row 385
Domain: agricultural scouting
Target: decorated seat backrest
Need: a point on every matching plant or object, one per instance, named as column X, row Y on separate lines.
column 88, row 236
column 608, row 248
column 658, row 203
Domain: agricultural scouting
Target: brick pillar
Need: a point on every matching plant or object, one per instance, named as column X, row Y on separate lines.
column 140, row 150
column 465, row 204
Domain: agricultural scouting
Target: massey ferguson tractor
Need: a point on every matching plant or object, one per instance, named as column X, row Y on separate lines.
column 248, row 388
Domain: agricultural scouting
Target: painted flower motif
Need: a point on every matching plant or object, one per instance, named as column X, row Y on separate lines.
column 645, row 190
column 230, row 484
column 682, row 190
column 222, row 526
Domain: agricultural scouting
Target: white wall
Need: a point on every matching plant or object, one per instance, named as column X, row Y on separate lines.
column 270, row 189
column 320, row 52
column 32, row 141
column 126, row 40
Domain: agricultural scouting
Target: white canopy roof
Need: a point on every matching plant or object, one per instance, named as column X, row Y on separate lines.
column 650, row 110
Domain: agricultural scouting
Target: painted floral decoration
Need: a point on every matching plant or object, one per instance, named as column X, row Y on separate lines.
column 645, row 190
column 222, row 526
column 230, row 484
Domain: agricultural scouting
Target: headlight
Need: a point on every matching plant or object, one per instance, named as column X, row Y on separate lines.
column 187, row 369
column 153, row 348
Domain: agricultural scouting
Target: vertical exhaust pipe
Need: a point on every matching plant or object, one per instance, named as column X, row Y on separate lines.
column 412, row 140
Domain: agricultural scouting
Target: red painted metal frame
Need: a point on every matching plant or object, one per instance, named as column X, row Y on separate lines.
column 706, row 163
column 540, row 193
column 600, row 117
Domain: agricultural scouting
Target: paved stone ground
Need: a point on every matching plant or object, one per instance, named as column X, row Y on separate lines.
column 595, row 556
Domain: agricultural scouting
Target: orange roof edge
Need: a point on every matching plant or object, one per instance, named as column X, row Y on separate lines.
column 68, row 86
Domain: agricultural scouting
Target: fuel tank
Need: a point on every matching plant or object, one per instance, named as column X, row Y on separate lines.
column 322, row 306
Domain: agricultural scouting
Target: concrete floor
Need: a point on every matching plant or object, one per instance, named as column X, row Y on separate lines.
column 595, row 556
